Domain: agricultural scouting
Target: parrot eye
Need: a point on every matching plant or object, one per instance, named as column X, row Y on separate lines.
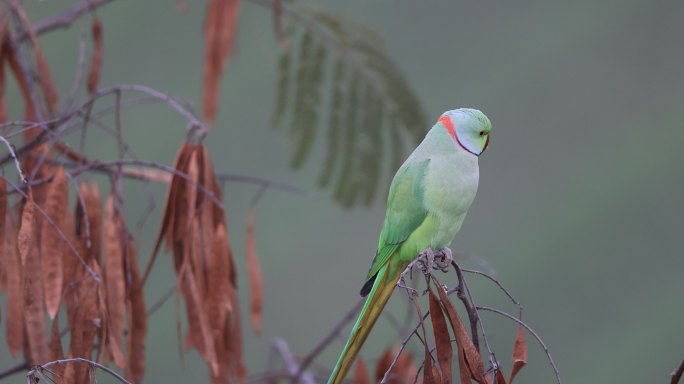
column 482, row 133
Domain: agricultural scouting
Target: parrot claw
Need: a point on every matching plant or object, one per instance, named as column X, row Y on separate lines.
column 426, row 261
column 443, row 259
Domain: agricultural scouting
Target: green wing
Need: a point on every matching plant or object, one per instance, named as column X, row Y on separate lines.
column 405, row 212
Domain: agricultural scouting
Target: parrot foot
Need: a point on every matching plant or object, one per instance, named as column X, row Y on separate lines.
column 426, row 261
column 443, row 259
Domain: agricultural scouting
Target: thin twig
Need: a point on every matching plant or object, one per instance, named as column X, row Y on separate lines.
column 530, row 330
column 37, row 370
column 64, row 19
column 10, row 148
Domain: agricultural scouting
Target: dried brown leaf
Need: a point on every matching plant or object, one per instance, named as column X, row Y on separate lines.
column 34, row 308
column 137, row 320
column 15, row 290
column 44, row 76
column 442, row 337
column 235, row 339
column 430, row 373
column 255, row 278
column 114, row 279
column 188, row 228
column 86, row 326
column 72, row 269
column 96, row 59
column 93, row 205
column 499, row 377
column 519, row 354
column 55, row 206
column 169, row 216
column 220, row 27
column 360, row 373
column 471, row 356
column 198, row 327
column 15, row 67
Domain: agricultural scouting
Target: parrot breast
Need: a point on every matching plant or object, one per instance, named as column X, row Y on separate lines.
column 450, row 187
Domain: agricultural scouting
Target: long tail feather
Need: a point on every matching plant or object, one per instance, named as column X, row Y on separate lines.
column 385, row 281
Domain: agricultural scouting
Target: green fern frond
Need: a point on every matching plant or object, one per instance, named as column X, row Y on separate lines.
column 368, row 101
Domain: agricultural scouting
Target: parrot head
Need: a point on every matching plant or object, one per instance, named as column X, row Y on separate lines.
column 469, row 128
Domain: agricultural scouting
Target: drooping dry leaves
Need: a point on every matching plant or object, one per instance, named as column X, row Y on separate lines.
column 15, row 289
column 44, row 79
column 86, row 324
column 194, row 229
column 499, row 377
column 470, row 362
column 220, row 27
column 114, row 279
column 442, row 337
column 137, row 319
column 10, row 57
column 254, row 274
column 51, row 242
column 34, row 308
column 519, row 354
column 96, row 59
column 89, row 220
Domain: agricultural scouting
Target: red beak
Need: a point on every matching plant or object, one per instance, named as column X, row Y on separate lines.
column 486, row 144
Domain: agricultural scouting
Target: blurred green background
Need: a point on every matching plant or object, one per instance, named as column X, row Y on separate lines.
column 579, row 211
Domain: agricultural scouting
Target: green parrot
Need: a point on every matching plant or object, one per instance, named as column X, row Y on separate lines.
column 427, row 202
